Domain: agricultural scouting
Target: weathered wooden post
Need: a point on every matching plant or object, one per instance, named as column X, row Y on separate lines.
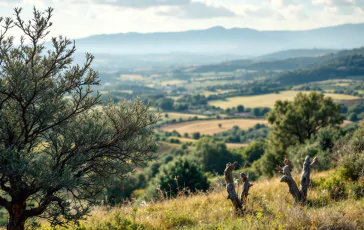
column 300, row 195
column 230, row 187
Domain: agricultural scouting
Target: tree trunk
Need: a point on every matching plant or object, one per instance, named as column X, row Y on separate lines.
column 230, row 187
column 300, row 195
column 16, row 219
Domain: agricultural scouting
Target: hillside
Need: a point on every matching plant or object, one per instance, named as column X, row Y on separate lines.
column 270, row 206
column 218, row 40
column 302, row 61
column 350, row 67
column 294, row 53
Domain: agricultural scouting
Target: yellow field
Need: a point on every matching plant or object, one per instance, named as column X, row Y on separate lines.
column 268, row 100
column 131, row 77
column 235, row 145
column 172, row 115
column 173, row 82
column 211, row 127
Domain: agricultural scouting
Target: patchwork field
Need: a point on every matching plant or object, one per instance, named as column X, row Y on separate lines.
column 211, row 127
column 268, row 100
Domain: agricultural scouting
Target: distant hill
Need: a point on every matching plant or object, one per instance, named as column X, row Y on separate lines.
column 218, row 40
column 295, row 53
column 339, row 67
column 260, row 64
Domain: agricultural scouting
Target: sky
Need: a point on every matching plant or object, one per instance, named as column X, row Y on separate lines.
column 82, row 18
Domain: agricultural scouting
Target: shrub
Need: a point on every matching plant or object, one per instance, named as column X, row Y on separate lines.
column 196, row 135
column 177, row 175
column 335, row 187
column 351, row 156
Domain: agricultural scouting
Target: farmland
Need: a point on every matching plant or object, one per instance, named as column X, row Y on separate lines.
column 268, row 100
column 174, row 115
column 210, row 127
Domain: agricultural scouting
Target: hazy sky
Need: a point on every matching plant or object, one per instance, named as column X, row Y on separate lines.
column 81, row 18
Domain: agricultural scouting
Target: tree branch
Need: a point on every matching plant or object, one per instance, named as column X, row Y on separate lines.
column 43, row 206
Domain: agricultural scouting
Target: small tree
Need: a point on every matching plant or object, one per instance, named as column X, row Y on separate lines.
column 196, row 135
column 300, row 120
column 58, row 154
column 300, row 195
column 220, row 125
column 240, row 108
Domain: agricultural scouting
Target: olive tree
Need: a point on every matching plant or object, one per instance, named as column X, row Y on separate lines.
column 57, row 153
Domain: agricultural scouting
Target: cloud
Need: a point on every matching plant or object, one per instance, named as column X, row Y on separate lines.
column 341, row 5
column 10, row 1
column 264, row 12
column 197, row 10
column 142, row 3
column 283, row 3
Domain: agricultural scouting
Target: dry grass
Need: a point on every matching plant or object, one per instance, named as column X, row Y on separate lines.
column 172, row 115
column 270, row 206
column 211, row 127
column 235, row 145
column 268, row 100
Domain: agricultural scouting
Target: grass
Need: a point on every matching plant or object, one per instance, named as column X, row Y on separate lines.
column 211, row 127
column 270, row 206
column 268, row 100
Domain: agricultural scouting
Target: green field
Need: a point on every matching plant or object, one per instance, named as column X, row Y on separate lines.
column 268, row 100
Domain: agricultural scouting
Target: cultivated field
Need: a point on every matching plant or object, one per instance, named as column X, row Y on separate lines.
column 268, row 100
column 172, row 115
column 131, row 77
column 211, row 127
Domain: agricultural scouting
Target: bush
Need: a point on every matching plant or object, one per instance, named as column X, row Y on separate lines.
column 335, row 187
column 178, row 175
column 196, row 135
column 327, row 136
column 353, row 117
column 351, row 156
column 298, row 153
column 253, row 152
column 121, row 190
column 213, row 155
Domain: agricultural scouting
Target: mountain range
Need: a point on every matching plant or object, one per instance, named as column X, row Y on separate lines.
column 221, row 41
